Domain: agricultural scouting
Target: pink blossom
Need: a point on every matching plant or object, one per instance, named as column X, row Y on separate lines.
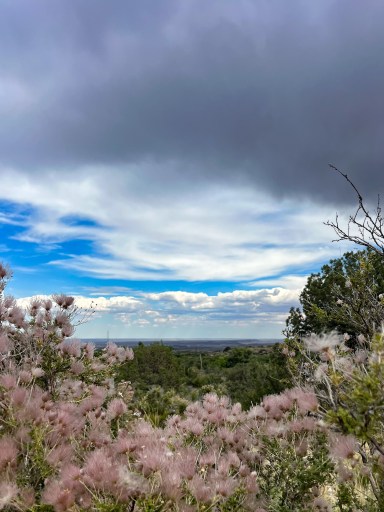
column 8, row 452
column 276, row 428
column 233, row 459
column 18, row 396
column 70, row 347
column 61, row 319
column 22, row 435
column 25, row 376
column 8, row 381
column 99, row 393
column 208, row 458
column 129, row 354
column 67, row 330
column 77, row 367
column 301, row 448
column 171, row 483
column 152, row 457
column 47, row 304
column 344, row 447
column 63, row 301
column 224, row 401
column 5, row 344
column 361, row 339
column 193, row 425
column 185, row 462
column 27, row 497
column 219, row 416
column 60, row 498
column 277, row 405
column 8, row 492
column 210, row 402
column 97, row 366
column 89, row 404
column 4, row 272
column 124, row 444
column 322, row 342
column 70, row 477
column 32, row 411
column 321, row 505
column 361, row 356
column 306, row 399
column 37, row 372
column 251, row 484
column 89, row 350
column 344, row 474
column 225, row 435
column 9, row 302
column 99, row 471
column 111, row 348
column 193, row 409
column 116, row 408
column 303, row 424
column 34, row 307
column 59, row 454
column 223, row 466
column 200, row 490
column 225, row 486
column 16, row 316
column 144, row 429
column 99, row 436
column 72, row 388
column 257, row 412
column 135, row 483
column 236, row 409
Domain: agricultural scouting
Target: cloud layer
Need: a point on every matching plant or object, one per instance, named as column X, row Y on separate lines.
column 174, row 93
column 245, row 311
column 220, row 234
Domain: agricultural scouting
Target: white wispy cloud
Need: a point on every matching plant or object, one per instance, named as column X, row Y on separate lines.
column 285, row 281
column 220, row 234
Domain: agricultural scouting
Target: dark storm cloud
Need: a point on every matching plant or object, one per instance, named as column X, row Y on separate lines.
column 265, row 92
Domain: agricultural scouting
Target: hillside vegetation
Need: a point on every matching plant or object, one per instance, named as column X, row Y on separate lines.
column 164, row 381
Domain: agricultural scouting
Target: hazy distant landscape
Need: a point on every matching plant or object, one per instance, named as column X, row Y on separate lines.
column 206, row 345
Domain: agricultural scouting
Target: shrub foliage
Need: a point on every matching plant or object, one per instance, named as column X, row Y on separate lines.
column 72, row 437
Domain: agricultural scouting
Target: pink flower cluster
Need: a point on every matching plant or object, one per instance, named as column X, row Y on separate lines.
column 91, row 450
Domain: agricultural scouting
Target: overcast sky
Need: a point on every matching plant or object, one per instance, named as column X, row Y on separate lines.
column 169, row 159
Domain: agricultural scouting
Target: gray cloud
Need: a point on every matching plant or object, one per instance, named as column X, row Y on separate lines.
column 265, row 93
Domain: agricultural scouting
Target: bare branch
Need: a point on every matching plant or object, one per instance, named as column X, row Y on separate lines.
column 363, row 228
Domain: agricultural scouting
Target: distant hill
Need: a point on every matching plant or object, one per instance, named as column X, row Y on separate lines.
column 188, row 344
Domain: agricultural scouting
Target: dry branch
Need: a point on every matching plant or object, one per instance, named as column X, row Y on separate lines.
column 363, row 228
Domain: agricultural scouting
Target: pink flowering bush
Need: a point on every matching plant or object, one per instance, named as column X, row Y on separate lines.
column 349, row 385
column 69, row 440
column 58, row 402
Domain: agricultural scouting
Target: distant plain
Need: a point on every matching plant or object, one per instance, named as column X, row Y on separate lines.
column 198, row 344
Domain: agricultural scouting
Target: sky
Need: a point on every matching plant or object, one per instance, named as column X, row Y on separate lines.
column 167, row 162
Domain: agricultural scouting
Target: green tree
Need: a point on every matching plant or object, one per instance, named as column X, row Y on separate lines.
column 238, row 355
column 250, row 379
column 153, row 365
column 345, row 296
